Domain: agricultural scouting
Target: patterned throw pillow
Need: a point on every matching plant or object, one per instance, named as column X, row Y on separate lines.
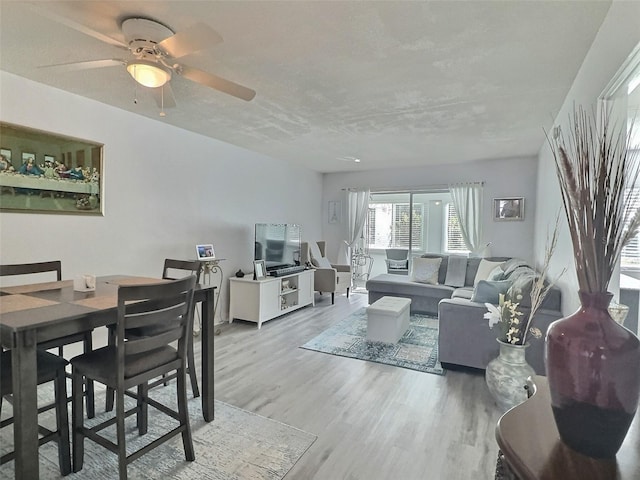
column 425, row 270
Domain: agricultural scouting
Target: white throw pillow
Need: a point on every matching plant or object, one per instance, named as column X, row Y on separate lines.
column 425, row 270
column 317, row 260
column 484, row 269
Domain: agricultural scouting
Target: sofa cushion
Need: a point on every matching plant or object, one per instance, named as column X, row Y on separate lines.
column 484, row 268
column 402, row 286
column 425, row 270
column 463, row 292
column 489, row 292
column 472, row 267
column 456, row 271
column 497, row 274
column 444, row 265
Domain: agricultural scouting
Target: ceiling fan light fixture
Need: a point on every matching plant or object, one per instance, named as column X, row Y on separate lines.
column 149, row 74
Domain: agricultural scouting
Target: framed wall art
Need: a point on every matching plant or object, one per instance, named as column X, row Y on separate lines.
column 49, row 173
column 508, row 208
column 335, row 212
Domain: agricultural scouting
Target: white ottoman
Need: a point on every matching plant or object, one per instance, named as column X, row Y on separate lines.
column 388, row 319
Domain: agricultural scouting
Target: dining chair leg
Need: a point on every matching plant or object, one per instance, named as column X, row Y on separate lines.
column 62, row 423
column 89, row 388
column 110, row 393
column 183, row 413
column 120, row 435
column 192, row 368
column 143, row 409
column 77, row 419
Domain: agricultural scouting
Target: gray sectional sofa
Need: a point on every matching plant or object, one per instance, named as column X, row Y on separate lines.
column 465, row 338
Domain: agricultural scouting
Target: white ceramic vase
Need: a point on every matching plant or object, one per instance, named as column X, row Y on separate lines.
column 507, row 374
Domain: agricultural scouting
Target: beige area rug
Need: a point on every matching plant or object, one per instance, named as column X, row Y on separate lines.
column 236, row 445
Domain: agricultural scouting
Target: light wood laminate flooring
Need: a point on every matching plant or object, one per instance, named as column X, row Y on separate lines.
column 373, row 421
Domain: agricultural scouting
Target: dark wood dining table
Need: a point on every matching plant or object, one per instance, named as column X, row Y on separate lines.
column 31, row 314
column 532, row 449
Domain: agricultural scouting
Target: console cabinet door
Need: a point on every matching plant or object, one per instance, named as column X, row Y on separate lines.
column 305, row 287
column 269, row 298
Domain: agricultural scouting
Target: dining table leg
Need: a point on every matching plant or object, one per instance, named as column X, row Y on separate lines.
column 25, row 406
column 208, row 332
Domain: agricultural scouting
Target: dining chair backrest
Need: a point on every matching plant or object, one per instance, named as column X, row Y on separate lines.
column 189, row 267
column 31, row 268
column 164, row 310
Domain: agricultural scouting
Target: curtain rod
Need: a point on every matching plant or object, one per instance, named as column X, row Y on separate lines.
column 426, row 188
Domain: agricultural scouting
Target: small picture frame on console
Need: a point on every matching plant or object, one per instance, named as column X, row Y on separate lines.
column 259, row 270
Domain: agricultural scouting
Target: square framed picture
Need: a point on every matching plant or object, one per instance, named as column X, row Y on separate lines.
column 259, row 270
column 205, row 252
column 508, row 209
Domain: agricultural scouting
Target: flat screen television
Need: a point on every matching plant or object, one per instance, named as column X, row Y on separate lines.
column 278, row 244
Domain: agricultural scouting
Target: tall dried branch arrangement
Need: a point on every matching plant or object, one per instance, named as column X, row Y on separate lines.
column 596, row 170
column 540, row 287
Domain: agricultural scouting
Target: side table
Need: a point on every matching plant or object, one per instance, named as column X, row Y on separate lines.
column 532, row 449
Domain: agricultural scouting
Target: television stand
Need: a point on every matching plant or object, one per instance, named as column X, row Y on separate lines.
column 261, row 300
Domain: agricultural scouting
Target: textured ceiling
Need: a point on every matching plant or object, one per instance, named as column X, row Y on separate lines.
column 392, row 83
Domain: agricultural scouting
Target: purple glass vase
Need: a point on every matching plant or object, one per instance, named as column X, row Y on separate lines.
column 593, row 369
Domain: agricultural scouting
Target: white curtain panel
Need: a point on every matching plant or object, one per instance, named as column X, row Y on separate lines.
column 358, row 206
column 467, row 198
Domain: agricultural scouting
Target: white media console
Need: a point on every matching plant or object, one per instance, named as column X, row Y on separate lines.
column 261, row 300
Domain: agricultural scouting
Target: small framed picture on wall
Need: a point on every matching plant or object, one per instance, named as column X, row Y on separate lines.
column 508, row 208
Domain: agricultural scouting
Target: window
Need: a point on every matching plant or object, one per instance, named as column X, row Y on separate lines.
column 391, row 225
column 454, row 242
column 630, row 258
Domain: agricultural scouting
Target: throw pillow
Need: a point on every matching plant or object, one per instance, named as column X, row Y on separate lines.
column 456, row 271
column 484, row 269
column 317, row 260
column 489, row 292
column 496, row 275
column 397, row 264
column 425, row 270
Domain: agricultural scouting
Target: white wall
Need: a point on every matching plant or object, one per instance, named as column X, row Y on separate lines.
column 512, row 177
column 166, row 190
column 618, row 35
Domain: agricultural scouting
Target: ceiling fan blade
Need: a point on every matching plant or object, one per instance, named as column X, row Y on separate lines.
column 76, row 26
column 217, row 83
column 197, row 37
column 169, row 100
column 75, row 66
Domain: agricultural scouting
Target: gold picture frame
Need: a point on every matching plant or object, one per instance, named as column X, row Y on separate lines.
column 53, row 173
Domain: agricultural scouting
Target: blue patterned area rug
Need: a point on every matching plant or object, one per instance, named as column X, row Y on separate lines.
column 416, row 350
column 236, row 445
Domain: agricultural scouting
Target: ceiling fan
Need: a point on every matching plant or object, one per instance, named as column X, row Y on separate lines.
column 154, row 50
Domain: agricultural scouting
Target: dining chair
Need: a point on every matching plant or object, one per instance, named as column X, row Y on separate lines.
column 50, row 368
column 166, row 309
column 59, row 343
column 169, row 271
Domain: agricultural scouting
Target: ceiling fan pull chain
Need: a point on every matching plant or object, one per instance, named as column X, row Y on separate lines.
column 135, row 88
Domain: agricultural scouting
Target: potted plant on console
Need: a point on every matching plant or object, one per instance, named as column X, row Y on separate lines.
column 507, row 374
